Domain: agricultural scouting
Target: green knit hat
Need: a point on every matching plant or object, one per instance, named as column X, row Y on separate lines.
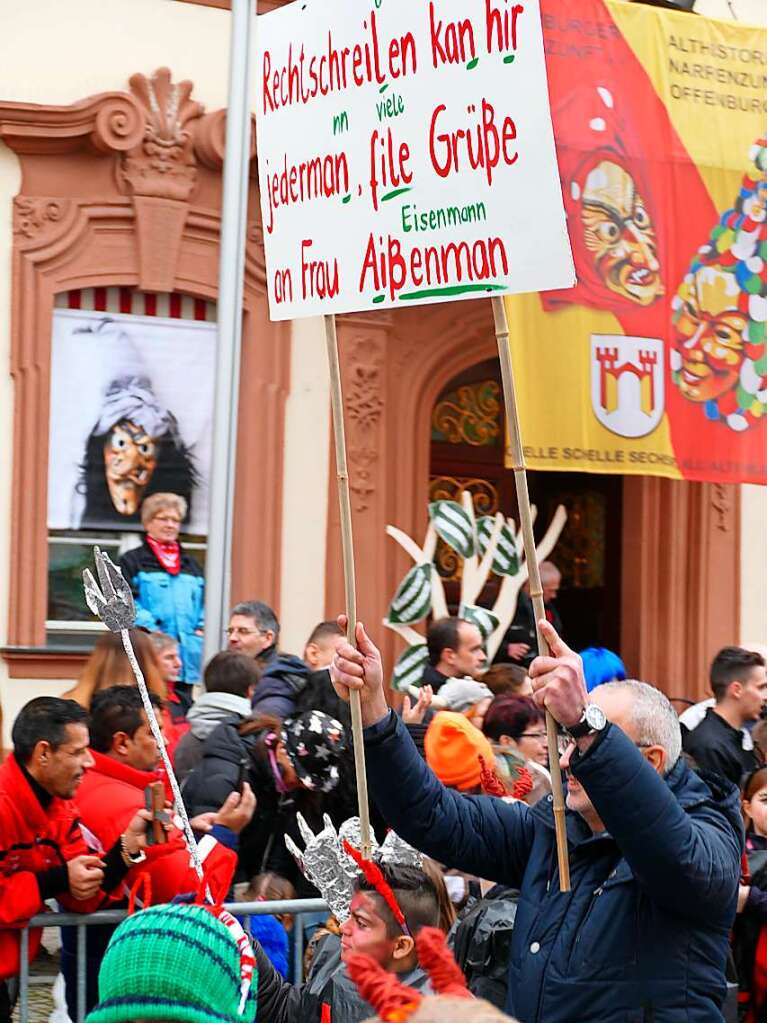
column 179, row 962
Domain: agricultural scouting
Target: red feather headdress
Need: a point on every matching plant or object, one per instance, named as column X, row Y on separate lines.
column 392, row 1000
column 373, row 875
column 436, row 958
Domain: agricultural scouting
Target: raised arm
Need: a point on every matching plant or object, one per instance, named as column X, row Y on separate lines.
column 481, row 835
column 686, row 858
column 682, row 841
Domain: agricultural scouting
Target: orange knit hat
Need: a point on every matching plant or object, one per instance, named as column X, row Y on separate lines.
column 453, row 746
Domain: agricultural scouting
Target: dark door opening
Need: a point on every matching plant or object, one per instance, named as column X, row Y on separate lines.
column 467, row 452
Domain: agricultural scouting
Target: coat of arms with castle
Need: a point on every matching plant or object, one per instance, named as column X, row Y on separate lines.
column 627, row 383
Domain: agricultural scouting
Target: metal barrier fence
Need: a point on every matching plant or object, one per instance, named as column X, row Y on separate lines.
column 298, row 908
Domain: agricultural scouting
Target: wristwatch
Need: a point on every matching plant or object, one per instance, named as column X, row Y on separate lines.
column 592, row 720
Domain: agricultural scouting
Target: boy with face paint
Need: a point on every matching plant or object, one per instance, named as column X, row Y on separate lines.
column 329, row 994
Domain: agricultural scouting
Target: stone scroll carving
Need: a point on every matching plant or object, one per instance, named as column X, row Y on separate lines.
column 160, row 142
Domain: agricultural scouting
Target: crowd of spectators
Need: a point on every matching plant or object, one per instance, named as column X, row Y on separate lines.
column 667, row 904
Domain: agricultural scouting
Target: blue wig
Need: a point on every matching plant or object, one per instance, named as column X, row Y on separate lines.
column 601, row 665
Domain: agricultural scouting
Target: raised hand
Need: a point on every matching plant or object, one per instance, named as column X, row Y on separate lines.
column 237, row 809
column 360, row 669
column 413, row 714
column 113, row 603
column 558, row 682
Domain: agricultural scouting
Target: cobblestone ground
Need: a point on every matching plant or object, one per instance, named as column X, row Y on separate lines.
column 43, row 973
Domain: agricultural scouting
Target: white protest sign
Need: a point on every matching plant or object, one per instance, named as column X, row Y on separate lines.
column 406, row 154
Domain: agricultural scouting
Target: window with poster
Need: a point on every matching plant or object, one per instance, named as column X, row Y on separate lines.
column 131, row 406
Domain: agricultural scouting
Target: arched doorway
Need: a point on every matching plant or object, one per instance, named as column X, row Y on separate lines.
column 467, row 430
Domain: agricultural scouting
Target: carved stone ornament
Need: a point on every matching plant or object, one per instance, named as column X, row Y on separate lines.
column 32, row 217
column 163, row 163
column 363, row 397
column 722, row 504
column 362, row 480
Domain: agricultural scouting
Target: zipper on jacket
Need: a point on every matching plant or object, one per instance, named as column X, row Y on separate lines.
column 594, row 896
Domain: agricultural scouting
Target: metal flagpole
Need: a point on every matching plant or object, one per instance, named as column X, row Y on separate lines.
column 234, row 210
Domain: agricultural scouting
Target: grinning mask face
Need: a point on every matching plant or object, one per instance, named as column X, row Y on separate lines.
column 619, row 233
column 130, row 459
column 709, row 329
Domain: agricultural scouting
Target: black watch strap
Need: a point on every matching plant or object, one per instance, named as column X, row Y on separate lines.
column 581, row 729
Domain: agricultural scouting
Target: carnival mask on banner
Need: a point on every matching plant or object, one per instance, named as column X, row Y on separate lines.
column 720, row 310
column 709, row 327
column 134, row 448
column 610, row 218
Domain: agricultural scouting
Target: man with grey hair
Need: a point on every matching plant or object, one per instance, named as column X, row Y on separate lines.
column 254, row 630
column 654, row 849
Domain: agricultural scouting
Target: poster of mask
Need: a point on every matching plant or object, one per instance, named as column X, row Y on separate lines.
column 131, row 415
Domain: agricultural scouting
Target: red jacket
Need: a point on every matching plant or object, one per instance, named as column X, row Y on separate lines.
column 108, row 798
column 32, row 840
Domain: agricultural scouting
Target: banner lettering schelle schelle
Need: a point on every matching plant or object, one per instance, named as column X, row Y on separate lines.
column 399, row 147
column 655, row 362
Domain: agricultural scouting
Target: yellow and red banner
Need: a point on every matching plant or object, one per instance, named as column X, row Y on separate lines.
column 656, row 361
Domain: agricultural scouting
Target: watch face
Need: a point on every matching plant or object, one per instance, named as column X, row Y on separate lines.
column 595, row 717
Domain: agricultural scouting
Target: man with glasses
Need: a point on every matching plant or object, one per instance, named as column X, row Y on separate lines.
column 654, row 849
column 254, row 630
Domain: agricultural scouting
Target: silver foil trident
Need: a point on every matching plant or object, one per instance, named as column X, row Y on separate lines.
column 113, row 604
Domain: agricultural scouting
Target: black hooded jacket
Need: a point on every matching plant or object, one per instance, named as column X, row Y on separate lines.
column 229, row 759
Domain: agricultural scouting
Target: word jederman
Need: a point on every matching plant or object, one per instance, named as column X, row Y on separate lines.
column 337, row 68
column 318, row 177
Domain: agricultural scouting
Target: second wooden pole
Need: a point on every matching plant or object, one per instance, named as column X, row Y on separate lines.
column 350, row 587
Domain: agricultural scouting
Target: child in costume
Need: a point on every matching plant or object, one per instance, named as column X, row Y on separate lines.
column 382, row 905
column 396, row 1003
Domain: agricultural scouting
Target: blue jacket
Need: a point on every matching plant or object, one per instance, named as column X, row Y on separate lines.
column 643, row 935
column 174, row 604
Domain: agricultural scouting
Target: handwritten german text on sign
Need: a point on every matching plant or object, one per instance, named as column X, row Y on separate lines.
column 406, row 154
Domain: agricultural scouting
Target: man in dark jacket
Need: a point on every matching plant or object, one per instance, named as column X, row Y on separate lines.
column 329, row 993
column 654, row 849
column 456, row 649
column 739, row 682
column 255, row 630
column 230, row 681
column 520, row 643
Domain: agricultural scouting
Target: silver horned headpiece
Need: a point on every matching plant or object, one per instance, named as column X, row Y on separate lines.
column 325, row 863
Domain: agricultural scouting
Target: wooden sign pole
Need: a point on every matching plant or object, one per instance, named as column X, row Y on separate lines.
column 350, row 588
column 536, row 590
